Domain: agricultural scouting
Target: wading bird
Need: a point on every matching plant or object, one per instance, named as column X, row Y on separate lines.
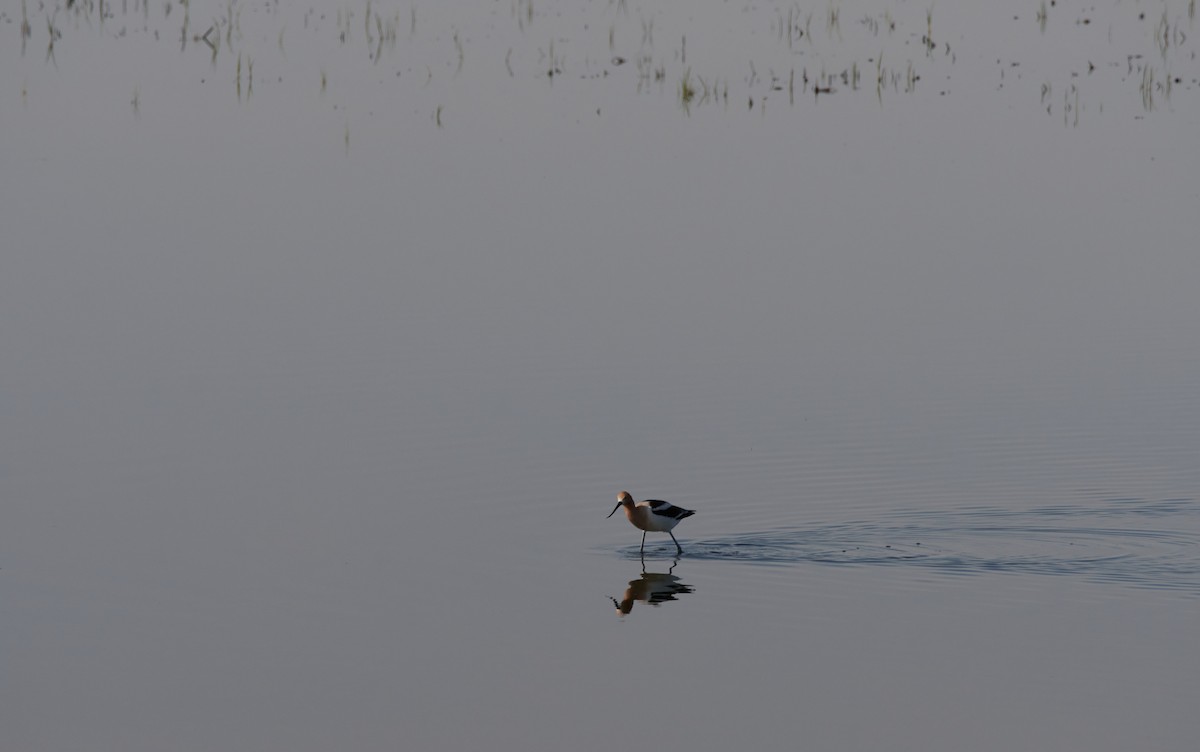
column 652, row 516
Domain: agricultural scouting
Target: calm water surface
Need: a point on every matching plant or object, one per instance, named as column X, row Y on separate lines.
column 328, row 335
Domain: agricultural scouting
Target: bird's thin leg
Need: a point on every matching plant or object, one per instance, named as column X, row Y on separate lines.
column 643, row 541
column 678, row 548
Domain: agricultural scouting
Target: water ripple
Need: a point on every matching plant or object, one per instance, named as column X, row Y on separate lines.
column 1053, row 540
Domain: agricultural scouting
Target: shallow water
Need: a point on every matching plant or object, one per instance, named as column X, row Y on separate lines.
column 315, row 390
column 978, row 541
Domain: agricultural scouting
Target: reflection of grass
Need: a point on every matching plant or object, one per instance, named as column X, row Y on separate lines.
column 879, row 77
column 833, row 20
column 1151, row 85
column 250, row 77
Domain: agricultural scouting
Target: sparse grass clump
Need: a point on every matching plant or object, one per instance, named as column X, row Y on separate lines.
column 687, row 92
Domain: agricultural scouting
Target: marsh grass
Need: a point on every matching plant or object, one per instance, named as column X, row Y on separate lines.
column 928, row 40
column 344, row 18
column 187, row 17
column 648, row 72
column 377, row 43
column 840, row 69
column 53, row 34
column 233, row 22
column 687, row 92
column 213, row 42
column 553, row 62
column 210, row 40
column 26, row 29
column 1071, row 106
column 791, row 28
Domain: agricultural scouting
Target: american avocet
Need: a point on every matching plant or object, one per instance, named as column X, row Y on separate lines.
column 652, row 516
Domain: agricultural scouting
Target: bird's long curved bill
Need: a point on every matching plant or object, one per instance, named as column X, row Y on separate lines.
column 614, row 511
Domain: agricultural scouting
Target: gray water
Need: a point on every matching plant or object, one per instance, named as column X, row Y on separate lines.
column 328, row 335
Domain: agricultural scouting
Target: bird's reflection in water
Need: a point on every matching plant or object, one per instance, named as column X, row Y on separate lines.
column 655, row 588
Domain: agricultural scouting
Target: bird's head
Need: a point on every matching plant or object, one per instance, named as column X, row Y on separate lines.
column 624, row 499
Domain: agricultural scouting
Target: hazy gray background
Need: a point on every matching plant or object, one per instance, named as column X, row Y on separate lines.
column 313, row 397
